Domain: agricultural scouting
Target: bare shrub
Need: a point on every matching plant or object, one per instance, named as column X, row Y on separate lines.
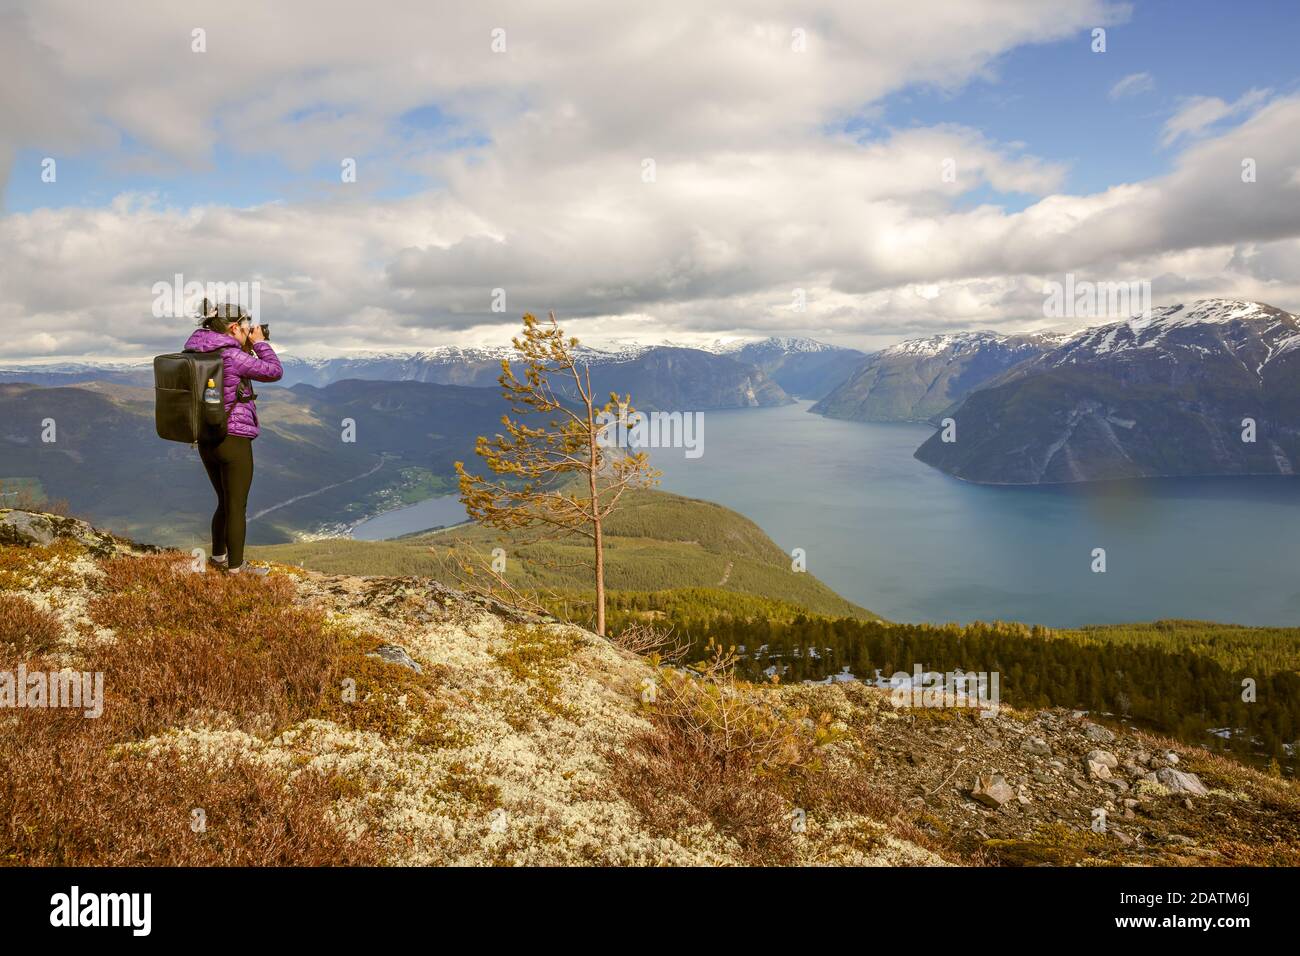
column 723, row 751
column 676, row 788
column 734, row 721
column 27, row 628
column 66, row 801
column 214, row 642
column 646, row 639
column 76, row 792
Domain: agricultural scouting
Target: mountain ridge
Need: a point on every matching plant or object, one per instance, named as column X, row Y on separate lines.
column 663, row 378
column 1200, row 389
column 919, row 379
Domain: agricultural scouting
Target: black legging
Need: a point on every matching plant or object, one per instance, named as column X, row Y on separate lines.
column 230, row 469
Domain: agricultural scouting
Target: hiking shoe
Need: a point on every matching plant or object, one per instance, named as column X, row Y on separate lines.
column 250, row 569
column 219, row 561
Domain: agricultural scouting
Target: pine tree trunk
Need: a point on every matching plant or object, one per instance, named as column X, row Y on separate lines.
column 593, row 463
column 600, row 580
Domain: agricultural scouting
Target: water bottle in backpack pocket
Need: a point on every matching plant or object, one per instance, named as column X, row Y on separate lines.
column 214, row 409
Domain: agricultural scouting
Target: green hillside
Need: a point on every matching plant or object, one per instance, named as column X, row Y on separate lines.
column 109, row 465
column 655, row 542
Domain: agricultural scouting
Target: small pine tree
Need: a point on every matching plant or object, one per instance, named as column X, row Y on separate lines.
column 560, row 474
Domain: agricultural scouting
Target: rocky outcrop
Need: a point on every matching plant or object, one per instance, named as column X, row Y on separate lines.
column 27, row 528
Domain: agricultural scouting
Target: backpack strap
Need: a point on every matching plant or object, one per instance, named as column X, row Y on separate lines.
column 240, row 394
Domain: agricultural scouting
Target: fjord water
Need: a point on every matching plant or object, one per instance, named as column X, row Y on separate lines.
column 438, row 512
column 913, row 544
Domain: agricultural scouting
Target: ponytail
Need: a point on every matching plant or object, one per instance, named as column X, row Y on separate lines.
column 219, row 318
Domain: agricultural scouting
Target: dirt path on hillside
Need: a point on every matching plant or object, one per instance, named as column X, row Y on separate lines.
column 312, row 494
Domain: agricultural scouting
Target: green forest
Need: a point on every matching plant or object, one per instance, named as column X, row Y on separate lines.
column 1181, row 678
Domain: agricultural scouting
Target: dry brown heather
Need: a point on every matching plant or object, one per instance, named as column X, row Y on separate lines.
column 523, row 741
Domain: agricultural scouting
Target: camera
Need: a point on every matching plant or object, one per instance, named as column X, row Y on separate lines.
column 248, row 325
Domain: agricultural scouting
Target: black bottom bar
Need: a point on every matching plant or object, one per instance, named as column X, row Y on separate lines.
column 334, row 906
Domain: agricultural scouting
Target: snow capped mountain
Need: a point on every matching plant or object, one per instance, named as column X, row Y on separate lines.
column 801, row 366
column 920, row 378
column 139, row 372
column 1201, row 328
column 1208, row 388
column 962, row 343
column 788, row 345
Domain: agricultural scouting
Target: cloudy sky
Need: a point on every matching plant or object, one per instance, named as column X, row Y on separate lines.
column 671, row 170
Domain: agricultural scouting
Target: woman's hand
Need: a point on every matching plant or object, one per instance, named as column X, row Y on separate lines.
column 255, row 334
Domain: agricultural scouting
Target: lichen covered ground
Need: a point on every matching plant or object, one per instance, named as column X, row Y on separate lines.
column 262, row 709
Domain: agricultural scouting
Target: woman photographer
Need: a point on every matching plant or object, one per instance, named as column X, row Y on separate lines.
column 246, row 356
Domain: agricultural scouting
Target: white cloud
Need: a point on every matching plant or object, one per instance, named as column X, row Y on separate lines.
column 1198, row 113
column 753, row 197
column 1132, row 85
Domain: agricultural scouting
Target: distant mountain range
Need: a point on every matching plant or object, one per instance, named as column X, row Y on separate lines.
column 803, row 367
column 1210, row 388
column 920, row 379
column 663, row 377
column 415, row 414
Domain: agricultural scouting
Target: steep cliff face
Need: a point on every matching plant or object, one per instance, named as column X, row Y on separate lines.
column 921, row 378
column 318, row 719
column 1201, row 389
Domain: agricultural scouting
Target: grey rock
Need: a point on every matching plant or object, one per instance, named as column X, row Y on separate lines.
column 1098, row 770
column 1098, row 733
column 35, row 529
column 1179, row 781
column 1036, row 746
column 1103, row 756
column 396, row 655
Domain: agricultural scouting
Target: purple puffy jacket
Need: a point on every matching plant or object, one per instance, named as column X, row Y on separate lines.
column 237, row 365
